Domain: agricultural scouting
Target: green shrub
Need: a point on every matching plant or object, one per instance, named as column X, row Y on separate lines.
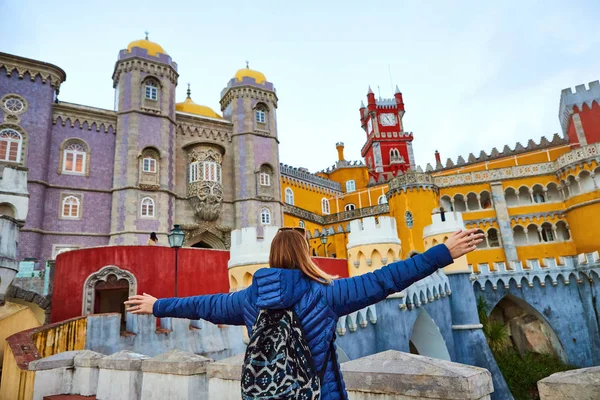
column 522, row 373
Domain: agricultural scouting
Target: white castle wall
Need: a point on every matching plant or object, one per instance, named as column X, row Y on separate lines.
column 454, row 222
column 247, row 248
column 370, row 231
column 13, row 190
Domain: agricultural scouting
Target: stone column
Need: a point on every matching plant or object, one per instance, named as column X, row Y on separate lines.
column 85, row 377
column 506, row 232
column 175, row 375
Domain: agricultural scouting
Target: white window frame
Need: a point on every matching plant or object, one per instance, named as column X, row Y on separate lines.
column 549, row 232
column 209, row 171
column 151, row 90
column 264, row 179
column 289, row 196
column 325, row 208
column 301, row 224
column 349, row 207
column 261, row 116
column 265, row 216
column 147, row 202
column 77, row 203
column 382, row 199
column 9, row 143
column 409, row 219
column 151, row 165
column 350, row 186
column 75, row 153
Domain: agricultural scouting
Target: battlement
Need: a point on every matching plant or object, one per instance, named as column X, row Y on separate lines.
column 372, row 231
column 248, row 248
column 303, row 175
column 447, row 222
column 577, row 269
column 411, row 179
column 386, row 103
column 570, row 99
column 506, row 152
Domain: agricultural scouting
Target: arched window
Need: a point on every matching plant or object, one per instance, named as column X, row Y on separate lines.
column 408, row 219
column 325, row 206
column 349, row 207
column 151, row 89
column 265, row 216
column 289, row 196
column 350, row 186
column 149, row 165
column 394, row 154
column 301, row 224
column 265, row 179
column 538, row 194
column 70, row 207
column 74, row 158
column 10, row 145
column 261, row 113
column 547, row 232
column 493, row 238
column 147, row 207
column 382, row 199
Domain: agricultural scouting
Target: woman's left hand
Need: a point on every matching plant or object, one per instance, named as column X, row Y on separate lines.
column 140, row 304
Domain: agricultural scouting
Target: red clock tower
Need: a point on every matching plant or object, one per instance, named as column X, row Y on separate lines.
column 388, row 148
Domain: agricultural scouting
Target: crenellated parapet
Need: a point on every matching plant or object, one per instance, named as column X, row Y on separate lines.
column 76, row 115
column 434, row 287
column 302, row 174
column 359, row 318
column 412, row 179
column 567, row 270
column 506, row 152
column 248, row 253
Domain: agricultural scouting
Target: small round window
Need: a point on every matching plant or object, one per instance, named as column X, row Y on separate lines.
column 14, row 105
column 408, row 219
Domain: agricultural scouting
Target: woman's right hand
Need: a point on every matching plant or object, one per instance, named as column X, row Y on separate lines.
column 141, row 304
column 463, row 242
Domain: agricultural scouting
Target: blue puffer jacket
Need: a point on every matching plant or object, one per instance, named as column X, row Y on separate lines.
column 317, row 305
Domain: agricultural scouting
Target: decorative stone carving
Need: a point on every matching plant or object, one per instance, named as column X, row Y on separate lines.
column 205, row 190
column 89, row 287
column 222, row 233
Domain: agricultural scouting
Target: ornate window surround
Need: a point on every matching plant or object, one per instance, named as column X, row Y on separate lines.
column 21, row 160
column 89, row 287
column 62, row 157
column 63, row 197
column 15, row 96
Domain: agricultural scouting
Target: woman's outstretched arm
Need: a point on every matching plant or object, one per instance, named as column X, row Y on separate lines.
column 227, row 309
column 348, row 295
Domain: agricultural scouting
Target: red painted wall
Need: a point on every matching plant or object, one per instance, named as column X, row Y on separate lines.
column 590, row 120
column 200, row 271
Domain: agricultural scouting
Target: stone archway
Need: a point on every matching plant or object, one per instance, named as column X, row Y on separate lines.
column 528, row 330
column 426, row 339
column 206, row 240
column 109, row 277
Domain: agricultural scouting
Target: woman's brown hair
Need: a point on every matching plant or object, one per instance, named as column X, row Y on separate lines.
column 290, row 250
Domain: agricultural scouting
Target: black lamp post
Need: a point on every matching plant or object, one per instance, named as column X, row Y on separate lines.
column 323, row 239
column 176, row 237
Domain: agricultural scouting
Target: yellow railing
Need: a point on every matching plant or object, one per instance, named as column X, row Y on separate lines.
column 33, row 344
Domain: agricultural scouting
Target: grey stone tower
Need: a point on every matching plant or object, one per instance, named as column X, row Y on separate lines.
column 145, row 79
column 249, row 102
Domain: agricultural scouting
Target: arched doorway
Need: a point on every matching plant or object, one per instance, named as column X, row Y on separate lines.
column 527, row 329
column 106, row 290
column 426, row 339
column 206, row 240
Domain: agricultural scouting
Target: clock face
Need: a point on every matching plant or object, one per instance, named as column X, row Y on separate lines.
column 387, row 119
column 370, row 125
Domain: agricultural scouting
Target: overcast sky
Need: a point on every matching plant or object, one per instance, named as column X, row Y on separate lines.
column 474, row 74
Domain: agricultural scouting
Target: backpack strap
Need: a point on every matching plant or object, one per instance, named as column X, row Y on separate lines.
column 331, row 352
column 335, row 365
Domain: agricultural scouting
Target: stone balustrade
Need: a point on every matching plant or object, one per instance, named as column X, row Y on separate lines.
column 578, row 384
column 175, row 374
column 568, row 269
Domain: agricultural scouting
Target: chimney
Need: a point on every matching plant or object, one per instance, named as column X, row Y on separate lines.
column 340, row 149
column 438, row 160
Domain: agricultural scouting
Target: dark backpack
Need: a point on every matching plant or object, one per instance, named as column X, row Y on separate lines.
column 278, row 362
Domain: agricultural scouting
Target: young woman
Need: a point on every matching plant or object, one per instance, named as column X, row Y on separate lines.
column 294, row 281
column 153, row 241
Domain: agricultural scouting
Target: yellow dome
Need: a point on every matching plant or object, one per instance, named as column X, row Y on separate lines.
column 259, row 77
column 151, row 47
column 188, row 106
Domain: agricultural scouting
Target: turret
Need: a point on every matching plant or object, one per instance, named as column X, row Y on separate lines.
column 340, row 149
column 145, row 79
column 372, row 243
column 399, row 101
column 371, row 103
column 579, row 114
column 249, row 101
column 248, row 254
column 444, row 224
